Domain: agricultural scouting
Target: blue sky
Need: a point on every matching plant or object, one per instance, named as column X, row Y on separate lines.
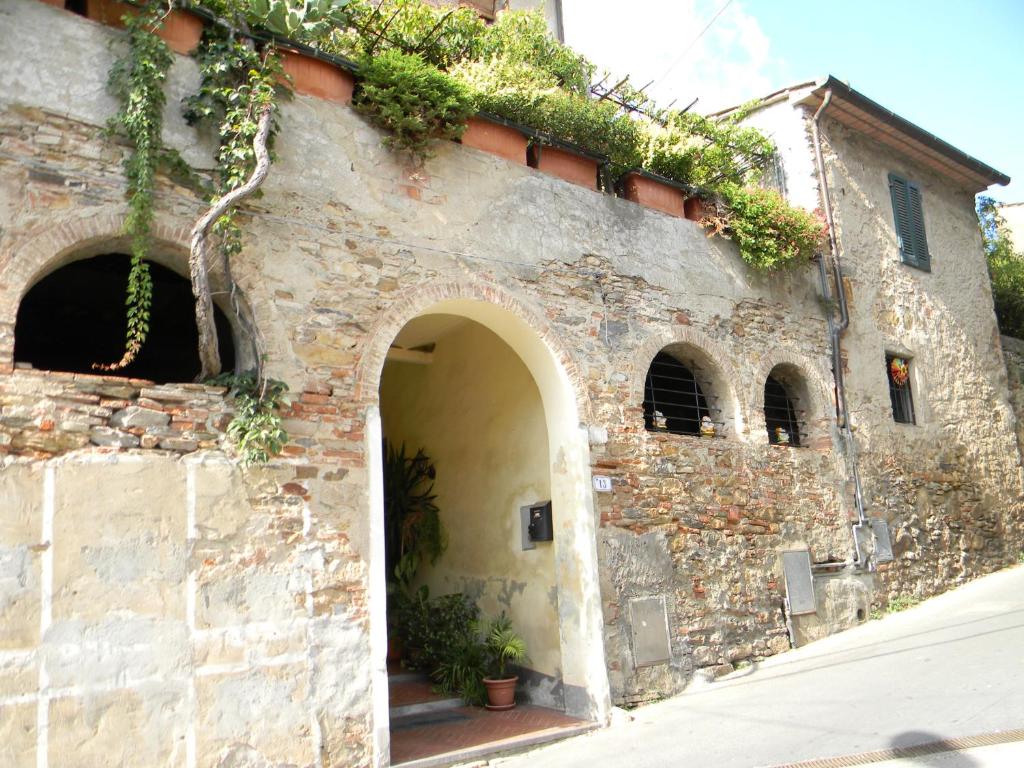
column 955, row 69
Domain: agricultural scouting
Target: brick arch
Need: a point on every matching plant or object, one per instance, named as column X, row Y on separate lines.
column 419, row 299
column 817, row 388
column 54, row 245
column 723, row 373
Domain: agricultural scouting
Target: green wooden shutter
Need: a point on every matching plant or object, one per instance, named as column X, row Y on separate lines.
column 901, row 217
column 908, row 216
column 917, row 225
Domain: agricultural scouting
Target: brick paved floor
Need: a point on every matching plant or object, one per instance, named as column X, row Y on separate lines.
column 475, row 727
column 410, row 692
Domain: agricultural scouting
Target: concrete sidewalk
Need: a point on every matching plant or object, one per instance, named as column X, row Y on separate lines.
column 952, row 667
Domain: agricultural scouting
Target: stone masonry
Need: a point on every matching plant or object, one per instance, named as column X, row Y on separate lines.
column 162, row 605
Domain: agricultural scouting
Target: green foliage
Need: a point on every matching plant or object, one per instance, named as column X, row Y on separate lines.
column 1005, row 269
column 522, row 37
column 432, row 628
column 901, row 603
column 256, row 427
column 236, row 83
column 526, row 94
column 479, row 651
column 300, row 20
column 712, row 152
column 412, row 100
column 136, row 79
column 503, row 647
column 412, row 522
column 771, row 234
column 440, row 36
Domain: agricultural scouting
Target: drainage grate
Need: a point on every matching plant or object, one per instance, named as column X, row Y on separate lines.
column 433, row 718
column 920, row 750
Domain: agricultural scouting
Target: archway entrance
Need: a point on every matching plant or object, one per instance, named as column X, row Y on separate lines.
column 481, row 395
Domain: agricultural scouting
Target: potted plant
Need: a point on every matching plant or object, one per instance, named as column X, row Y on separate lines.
column 496, row 136
column 654, row 191
column 180, row 29
column 313, row 74
column 567, row 163
column 502, row 646
column 412, row 521
column 474, row 661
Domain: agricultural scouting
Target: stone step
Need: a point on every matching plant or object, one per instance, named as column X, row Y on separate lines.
column 411, row 694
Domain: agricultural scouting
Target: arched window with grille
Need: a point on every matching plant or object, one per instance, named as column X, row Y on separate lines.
column 782, row 410
column 676, row 400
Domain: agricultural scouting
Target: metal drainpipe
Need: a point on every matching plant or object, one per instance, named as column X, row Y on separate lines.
column 836, row 331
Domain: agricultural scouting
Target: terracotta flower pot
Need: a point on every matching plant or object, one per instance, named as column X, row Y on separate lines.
column 651, row 193
column 501, row 694
column 697, row 208
column 315, row 77
column 574, row 168
column 495, row 138
column 181, row 30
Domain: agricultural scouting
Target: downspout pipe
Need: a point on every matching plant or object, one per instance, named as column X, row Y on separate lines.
column 836, row 330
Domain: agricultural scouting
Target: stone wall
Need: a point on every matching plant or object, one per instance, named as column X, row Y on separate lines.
column 950, row 484
column 262, row 588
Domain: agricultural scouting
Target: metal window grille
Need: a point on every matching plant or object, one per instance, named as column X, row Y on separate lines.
column 673, row 398
column 901, row 396
column 779, row 412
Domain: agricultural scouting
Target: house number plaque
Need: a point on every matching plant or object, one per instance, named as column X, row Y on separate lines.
column 602, row 483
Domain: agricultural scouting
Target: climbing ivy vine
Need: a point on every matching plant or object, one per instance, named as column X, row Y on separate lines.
column 256, row 428
column 137, row 81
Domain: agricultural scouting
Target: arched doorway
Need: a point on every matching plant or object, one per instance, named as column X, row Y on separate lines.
column 482, row 393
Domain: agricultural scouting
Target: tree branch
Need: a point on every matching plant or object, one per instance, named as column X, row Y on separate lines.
column 209, row 354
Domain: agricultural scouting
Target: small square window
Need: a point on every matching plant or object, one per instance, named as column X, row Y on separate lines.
column 897, row 371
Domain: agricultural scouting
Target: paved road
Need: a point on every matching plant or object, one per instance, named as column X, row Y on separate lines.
column 952, row 667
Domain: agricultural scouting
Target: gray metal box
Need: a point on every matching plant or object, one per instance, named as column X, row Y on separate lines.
column 796, row 564
column 649, row 621
column 883, row 544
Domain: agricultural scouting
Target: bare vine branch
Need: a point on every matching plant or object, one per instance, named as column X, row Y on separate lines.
column 209, row 354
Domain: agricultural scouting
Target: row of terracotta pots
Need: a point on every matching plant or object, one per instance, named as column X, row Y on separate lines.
column 647, row 189
column 182, row 30
column 324, row 79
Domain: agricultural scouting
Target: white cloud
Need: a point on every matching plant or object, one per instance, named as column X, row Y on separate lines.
column 731, row 63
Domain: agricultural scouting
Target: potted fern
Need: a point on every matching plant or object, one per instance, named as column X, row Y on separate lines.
column 475, row 663
column 502, row 646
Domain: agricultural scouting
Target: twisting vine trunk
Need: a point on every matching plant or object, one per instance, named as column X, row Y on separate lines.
column 209, row 354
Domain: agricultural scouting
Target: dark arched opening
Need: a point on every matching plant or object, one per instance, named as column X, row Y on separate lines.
column 75, row 317
column 780, row 414
column 674, row 400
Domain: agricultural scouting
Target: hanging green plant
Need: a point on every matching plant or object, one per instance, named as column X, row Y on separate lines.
column 412, row 521
column 137, row 79
column 413, row 101
column 770, row 233
column 256, row 427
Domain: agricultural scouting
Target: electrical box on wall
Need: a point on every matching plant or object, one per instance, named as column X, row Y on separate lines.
column 540, row 527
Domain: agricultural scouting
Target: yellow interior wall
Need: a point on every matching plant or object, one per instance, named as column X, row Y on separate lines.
column 477, row 413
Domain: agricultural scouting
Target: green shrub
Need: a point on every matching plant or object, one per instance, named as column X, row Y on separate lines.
column 770, row 233
column 441, row 36
column 522, row 37
column 722, row 151
column 413, row 101
column 433, row 629
column 1005, row 269
column 523, row 93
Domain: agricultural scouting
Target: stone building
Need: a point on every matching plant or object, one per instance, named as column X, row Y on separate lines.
column 542, row 341
column 1013, row 215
